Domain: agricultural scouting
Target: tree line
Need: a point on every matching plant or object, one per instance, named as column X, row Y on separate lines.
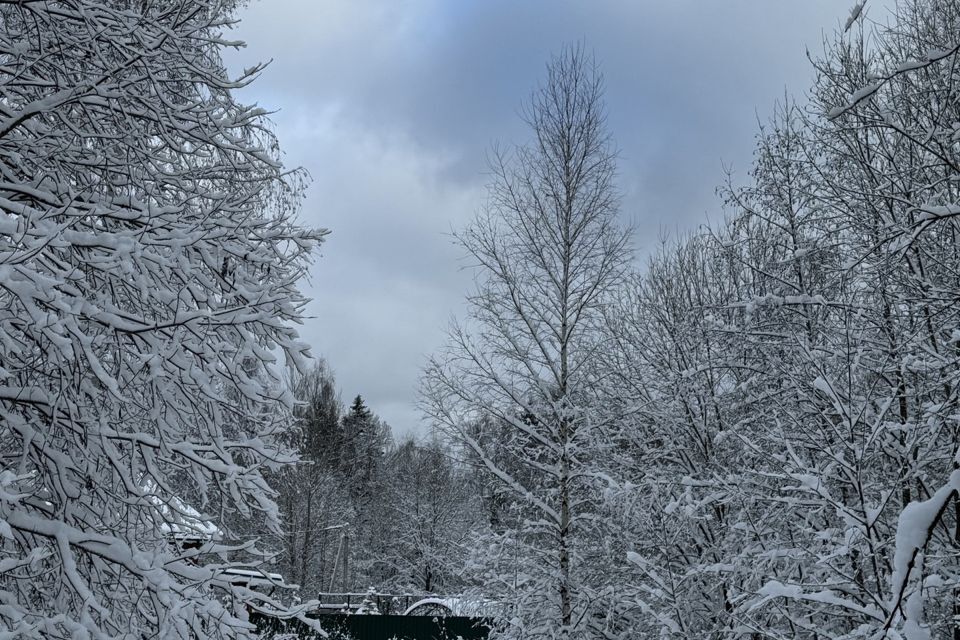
column 362, row 510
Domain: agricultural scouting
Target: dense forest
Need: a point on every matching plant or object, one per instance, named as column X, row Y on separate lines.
column 364, row 510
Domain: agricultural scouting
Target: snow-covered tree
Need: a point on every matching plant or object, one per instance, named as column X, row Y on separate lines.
column 149, row 256
column 433, row 511
column 679, row 395
column 314, row 500
column 893, row 120
column 549, row 251
column 789, row 382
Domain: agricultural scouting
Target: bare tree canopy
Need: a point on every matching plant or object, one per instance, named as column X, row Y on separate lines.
column 549, row 251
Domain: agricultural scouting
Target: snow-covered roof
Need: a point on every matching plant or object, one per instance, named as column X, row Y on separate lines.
column 458, row 606
column 254, row 578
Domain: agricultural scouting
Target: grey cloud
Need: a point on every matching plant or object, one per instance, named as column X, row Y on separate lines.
column 392, row 105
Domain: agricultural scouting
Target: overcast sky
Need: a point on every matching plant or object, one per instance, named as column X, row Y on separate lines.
column 392, row 105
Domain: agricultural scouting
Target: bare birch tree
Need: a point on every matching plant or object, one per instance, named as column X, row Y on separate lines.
column 549, row 250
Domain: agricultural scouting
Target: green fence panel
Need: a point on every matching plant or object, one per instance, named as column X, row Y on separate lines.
column 365, row 627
